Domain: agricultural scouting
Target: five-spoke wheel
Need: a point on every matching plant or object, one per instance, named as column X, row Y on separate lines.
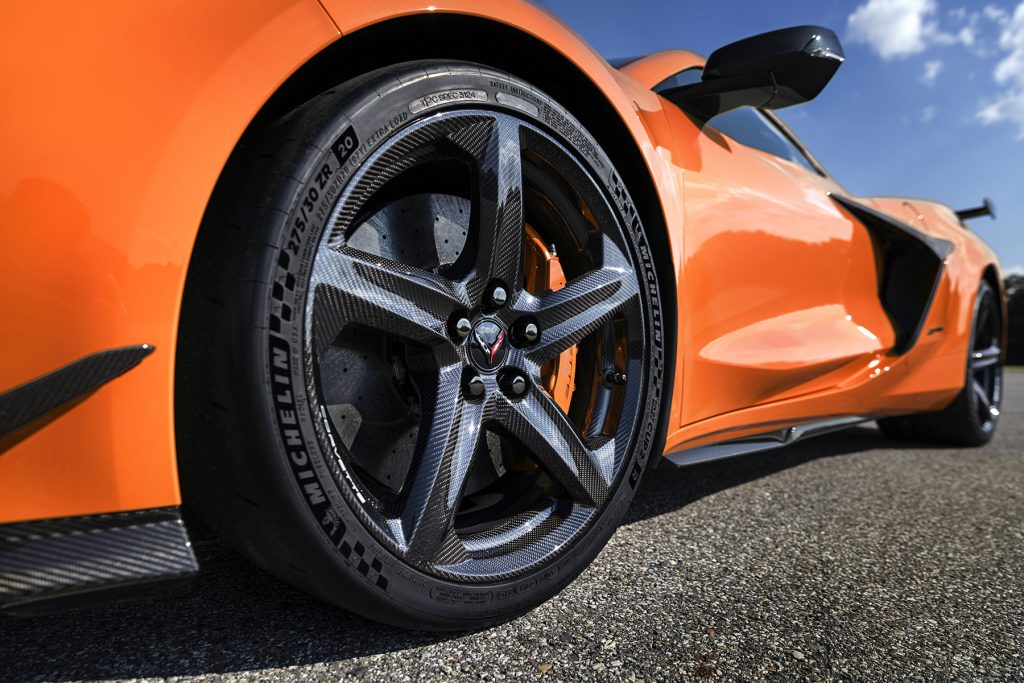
column 498, row 476
column 426, row 325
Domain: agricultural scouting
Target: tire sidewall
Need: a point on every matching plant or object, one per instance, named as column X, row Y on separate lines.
column 345, row 128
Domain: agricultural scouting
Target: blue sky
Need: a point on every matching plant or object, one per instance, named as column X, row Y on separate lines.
column 930, row 101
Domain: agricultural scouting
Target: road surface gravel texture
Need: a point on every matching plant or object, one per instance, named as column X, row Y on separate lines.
column 849, row 557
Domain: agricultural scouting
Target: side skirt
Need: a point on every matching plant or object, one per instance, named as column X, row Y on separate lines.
column 770, row 440
column 57, row 564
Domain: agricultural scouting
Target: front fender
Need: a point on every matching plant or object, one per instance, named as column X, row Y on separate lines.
column 112, row 146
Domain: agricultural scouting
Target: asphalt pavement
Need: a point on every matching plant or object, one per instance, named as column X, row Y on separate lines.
column 849, row 558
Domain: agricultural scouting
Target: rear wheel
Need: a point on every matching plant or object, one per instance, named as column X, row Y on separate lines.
column 423, row 312
column 972, row 418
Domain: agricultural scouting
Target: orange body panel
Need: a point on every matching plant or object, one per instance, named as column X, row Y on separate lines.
column 780, row 316
column 113, row 144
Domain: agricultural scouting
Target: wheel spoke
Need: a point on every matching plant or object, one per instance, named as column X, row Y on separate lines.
column 450, row 433
column 498, row 208
column 568, row 315
column 985, row 319
column 985, row 358
column 541, row 426
column 983, row 399
column 356, row 287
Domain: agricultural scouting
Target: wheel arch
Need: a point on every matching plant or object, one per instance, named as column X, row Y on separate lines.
column 991, row 275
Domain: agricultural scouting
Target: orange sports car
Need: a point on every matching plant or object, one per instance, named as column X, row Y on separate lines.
column 403, row 300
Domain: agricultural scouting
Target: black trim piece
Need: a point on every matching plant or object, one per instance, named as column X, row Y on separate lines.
column 938, row 246
column 29, row 402
column 911, row 266
column 770, row 440
column 986, row 209
column 56, row 564
column 767, row 71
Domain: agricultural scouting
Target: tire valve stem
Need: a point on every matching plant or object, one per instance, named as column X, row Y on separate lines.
column 615, row 377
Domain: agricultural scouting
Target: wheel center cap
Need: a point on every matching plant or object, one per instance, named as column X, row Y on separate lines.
column 488, row 345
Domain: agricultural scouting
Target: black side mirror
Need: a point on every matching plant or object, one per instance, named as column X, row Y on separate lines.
column 769, row 71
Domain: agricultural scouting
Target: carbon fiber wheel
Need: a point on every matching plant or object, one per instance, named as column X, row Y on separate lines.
column 460, row 458
column 985, row 364
column 433, row 352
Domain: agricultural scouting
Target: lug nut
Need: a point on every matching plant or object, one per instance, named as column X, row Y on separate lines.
column 515, row 385
column 463, row 327
column 475, row 386
column 499, row 296
column 616, row 378
column 529, row 332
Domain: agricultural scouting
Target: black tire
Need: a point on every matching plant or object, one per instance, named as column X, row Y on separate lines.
column 971, row 419
column 260, row 380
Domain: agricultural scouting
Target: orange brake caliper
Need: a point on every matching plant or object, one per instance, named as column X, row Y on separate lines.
column 544, row 273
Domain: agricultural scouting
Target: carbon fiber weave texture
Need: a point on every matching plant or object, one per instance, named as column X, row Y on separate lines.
column 51, row 558
column 31, row 401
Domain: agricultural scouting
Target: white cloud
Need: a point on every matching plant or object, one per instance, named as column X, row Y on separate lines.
column 964, row 36
column 893, row 28
column 993, row 13
column 1008, row 106
column 931, row 72
column 899, row 28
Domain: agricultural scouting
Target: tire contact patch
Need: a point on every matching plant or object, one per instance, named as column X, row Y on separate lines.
column 446, row 97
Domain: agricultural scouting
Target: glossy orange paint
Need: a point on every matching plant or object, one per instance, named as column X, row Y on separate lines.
column 116, row 120
column 778, row 290
column 650, row 70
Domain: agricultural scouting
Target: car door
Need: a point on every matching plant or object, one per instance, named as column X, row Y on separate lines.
column 779, row 283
